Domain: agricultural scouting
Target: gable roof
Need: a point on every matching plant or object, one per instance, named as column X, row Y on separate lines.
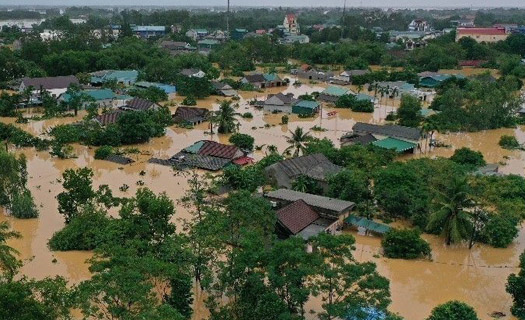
column 215, row 149
column 49, row 83
column 296, row 216
column 313, row 200
column 191, row 114
column 286, row 99
column 218, row 85
column 271, row 77
column 394, row 144
column 97, row 95
column 307, row 104
column 388, row 130
column 189, row 72
column 356, row 72
column 139, row 104
column 316, row 166
column 109, row 117
column 362, row 139
column 335, row 91
column 257, row 77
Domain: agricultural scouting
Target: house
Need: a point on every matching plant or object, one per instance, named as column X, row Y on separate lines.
column 328, row 208
column 482, row 34
column 54, row 85
column 123, row 77
column 139, row 104
column 204, row 154
column 432, row 80
column 146, row 32
column 224, row 89
column 190, row 115
column 368, row 225
column 102, row 97
column 261, row 81
column 169, row 89
column 419, row 25
column 332, row 93
column 315, row 166
column 196, row 34
column 207, row 44
column 279, row 103
column 290, row 24
column 193, row 73
column 238, row 34
column 351, row 139
column 108, row 117
column 177, row 47
column 306, row 107
column 463, row 23
column 399, row 138
column 399, row 87
column 347, row 75
column 295, row 38
column 314, row 75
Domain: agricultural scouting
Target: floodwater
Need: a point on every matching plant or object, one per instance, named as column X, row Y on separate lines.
column 475, row 276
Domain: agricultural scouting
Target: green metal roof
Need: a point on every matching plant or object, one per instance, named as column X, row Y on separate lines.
column 194, row 148
column 335, row 91
column 368, row 224
column 363, row 97
column 97, row 95
column 270, row 76
column 394, row 144
column 307, row 104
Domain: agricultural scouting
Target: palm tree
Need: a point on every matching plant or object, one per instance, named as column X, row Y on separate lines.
column 9, row 263
column 226, row 118
column 297, row 141
column 449, row 212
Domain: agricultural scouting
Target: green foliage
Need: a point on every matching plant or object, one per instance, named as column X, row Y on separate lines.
column 297, row 141
column 409, row 112
column 247, row 115
column 20, row 138
column 499, row 231
column 509, row 142
column 351, row 102
column 103, row 152
column 248, row 178
column 284, row 119
column 453, row 310
column 405, row 244
column 516, row 288
column 152, row 93
column 9, row 263
column 304, row 183
column 242, row 141
column 468, row 157
column 189, row 101
column 23, row 205
column 350, row 184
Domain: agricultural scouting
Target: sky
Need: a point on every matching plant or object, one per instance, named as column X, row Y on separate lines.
column 284, row 3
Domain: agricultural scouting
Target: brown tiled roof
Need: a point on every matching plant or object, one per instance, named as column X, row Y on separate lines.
column 316, row 166
column 139, row 104
column 49, row 83
column 108, row 118
column 251, row 78
column 296, row 216
column 215, row 149
column 190, row 114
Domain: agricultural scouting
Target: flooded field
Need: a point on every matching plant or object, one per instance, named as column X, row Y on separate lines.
column 475, row 276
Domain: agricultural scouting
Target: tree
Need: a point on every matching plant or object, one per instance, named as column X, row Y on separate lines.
column 297, row 141
column 449, row 210
column 409, row 112
column 9, row 262
column 78, row 192
column 344, row 284
column 23, row 205
column 242, row 141
column 468, row 157
column 225, row 118
column 516, row 288
column 350, row 184
column 405, row 244
column 304, row 183
column 135, row 127
column 453, row 310
column 509, row 142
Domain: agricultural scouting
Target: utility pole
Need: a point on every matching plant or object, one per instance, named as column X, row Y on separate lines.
column 344, row 13
column 228, row 19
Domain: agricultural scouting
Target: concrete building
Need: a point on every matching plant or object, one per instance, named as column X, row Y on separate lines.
column 482, row 34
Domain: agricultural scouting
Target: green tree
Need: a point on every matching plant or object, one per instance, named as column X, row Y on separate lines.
column 225, row 118
column 350, row 184
column 78, row 192
column 516, row 288
column 297, row 141
column 9, row 263
column 242, row 141
column 136, row 127
column 453, row 310
column 304, row 183
column 405, row 244
column 409, row 112
column 468, row 157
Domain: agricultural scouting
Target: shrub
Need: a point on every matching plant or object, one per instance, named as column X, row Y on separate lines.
column 453, row 310
column 509, row 142
column 104, row 152
column 284, row 119
column 468, row 157
column 405, row 244
column 242, row 141
column 189, row 101
column 247, row 115
column 499, row 231
column 23, row 206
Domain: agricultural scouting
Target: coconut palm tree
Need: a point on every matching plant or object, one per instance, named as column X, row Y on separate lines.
column 449, row 210
column 9, row 263
column 226, row 118
column 297, row 141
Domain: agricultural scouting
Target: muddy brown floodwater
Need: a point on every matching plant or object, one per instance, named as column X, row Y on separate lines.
column 475, row 276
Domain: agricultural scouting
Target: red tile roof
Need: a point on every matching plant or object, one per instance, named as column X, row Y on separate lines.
column 243, row 161
column 297, row 216
column 481, row 31
column 215, row 149
column 472, row 63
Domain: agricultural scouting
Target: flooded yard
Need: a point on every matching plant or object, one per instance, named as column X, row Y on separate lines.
column 475, row 276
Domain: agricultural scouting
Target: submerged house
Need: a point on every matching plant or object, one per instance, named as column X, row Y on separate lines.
column 123, row 77
column 279, row 102
column 394, row 137
column 108, row 117
column 332, row 93
column 224, row 89
column 348, row 75
column 54, row 85
column 193, row 73
column 306, row 107
column 306, row 215
column 314, row 75
column 315, row 166
column 139, row 104
column 169, row 89
column 190, row 115
column 261, row 81
column 434, row 79
column 204, row 154
column 102, row 97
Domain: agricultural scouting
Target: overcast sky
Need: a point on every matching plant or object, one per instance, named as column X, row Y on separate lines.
column 284, row 3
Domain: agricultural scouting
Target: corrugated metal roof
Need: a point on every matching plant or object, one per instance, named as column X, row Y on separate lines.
column 316, row 166
column 335, row 91
column 394, row 144
column 313, row 200
column 296, row 216
column 108, row 118
column 396, row 131
column 49, row 83
column 307, row 104
column 368, row 224
column 215, row 149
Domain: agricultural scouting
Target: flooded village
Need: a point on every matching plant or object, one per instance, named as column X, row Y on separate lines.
column 269, row 104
